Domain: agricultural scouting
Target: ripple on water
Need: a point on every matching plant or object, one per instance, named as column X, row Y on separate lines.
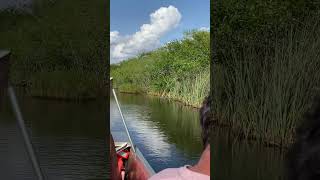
column 68, row 139
column 157, row 131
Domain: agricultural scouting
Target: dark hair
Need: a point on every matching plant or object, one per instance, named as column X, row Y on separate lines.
column 206, row 120
column 303, row 158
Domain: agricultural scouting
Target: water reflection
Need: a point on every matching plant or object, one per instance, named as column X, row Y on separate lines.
column 69, row 139
column 167, row 133
column 244, row 160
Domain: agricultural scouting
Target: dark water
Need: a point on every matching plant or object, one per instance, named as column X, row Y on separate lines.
column 68, row 137
column 168, row 134
column 242, row 160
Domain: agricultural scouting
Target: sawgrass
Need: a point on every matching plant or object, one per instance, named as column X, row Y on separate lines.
column 263, row 92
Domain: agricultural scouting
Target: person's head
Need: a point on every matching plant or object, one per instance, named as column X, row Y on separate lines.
column 206, row 121
column 303, row 158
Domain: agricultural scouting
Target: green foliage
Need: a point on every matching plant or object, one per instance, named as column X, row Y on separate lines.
column 264, row 58
column 257, row 22
column 179, row 70
column 191, row 91
column 65, row 85
column 60, row 37
column 132, row 75
column 263, row 92
column 255, row 16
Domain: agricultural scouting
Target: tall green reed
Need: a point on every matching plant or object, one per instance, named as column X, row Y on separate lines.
column 263, row 92
column 190, row 90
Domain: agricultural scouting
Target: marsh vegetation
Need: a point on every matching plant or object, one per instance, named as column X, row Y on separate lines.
column 58, row 48
column 180, row 70
column 266, row 67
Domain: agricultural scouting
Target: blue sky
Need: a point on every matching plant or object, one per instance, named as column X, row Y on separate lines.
column 128, row 16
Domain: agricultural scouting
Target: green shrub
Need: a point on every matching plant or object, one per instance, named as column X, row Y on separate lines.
column 58, row 37
column 66, row 85
column 179, row 70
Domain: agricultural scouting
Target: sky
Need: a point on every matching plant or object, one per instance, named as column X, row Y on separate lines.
column 143, row 25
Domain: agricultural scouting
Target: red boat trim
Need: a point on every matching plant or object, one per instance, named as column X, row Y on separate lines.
column 133, row 164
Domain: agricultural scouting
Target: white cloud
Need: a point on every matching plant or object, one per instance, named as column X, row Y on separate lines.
column 114, row 36
column 204, row 29
column 147, row 38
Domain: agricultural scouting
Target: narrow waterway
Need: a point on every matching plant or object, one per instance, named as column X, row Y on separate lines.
column 69, row 139
column 168, row 134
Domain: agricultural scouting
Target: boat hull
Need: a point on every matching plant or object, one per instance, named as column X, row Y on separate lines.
column 130, row 163
column 137, row 169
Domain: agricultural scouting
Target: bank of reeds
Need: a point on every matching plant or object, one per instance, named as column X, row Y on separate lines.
column 64, row 85
column 191, row 91
column 263, row 91
column 58, row 48
column 178, row 71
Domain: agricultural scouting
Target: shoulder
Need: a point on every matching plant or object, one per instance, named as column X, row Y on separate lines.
column 170, row 173
column 179, row 173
